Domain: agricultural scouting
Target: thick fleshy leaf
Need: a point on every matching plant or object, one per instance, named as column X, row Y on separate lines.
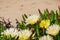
column 52, row 17
column 45, row 15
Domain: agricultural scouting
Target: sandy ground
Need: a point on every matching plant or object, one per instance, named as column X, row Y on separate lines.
column 16, row 8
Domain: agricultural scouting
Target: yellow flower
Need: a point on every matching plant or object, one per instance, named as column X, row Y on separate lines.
column 44, row 23
column 22, row 37
column 24, row 34
column 32, row 19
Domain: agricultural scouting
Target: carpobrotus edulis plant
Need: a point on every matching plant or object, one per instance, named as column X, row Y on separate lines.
column 45, row 26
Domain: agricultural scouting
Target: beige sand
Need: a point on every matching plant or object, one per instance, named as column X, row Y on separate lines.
column 15, row 8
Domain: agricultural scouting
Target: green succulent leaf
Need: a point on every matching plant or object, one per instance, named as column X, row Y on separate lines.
column 40, row 13
column 2, row 28
column 45, row 15
column 59, row 11
column 52, row 17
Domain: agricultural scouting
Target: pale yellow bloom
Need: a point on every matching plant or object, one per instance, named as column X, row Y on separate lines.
column 46, row 37
column 32, row 19
column 44, row 23
column 12, row 31
column 24, row 34
column 53, row 30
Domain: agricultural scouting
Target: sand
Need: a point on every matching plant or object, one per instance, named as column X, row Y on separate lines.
column 13, row 9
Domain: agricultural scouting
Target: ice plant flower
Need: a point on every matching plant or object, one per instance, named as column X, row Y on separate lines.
column 24, row 34
column 53, row 30
column 46, row 37
column 32, row 19
column 44, row 23
column 11, row 32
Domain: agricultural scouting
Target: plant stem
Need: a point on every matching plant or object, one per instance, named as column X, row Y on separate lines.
column 43, row 31
column 37, row 31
